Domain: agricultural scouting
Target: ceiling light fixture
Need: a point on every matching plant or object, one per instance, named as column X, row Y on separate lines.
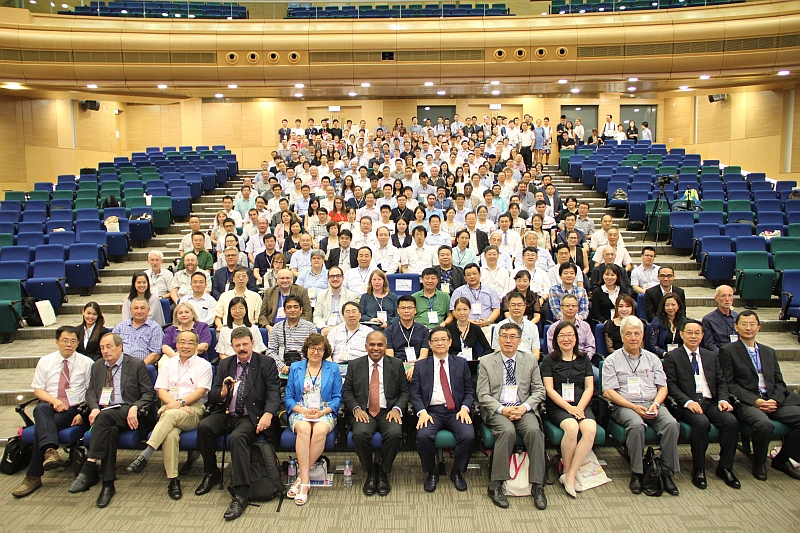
column 352, row 94
column 298, row 85
column 298, row 95
column 232, row 86
column 91, row 86
column 705, row 77
column 562, row 82
column 575, row 90
column 684, row 87
column 428, row 84
column 495, row 93
column 544, row 13
column 441, row 93
column 218, row 95
column 636, row 110
column 495, row 82
column 783, row 73
column 577, row 109
column 631, row 89
column 65, row 6
column 161, row 86
column 14, row 86
column 633, row 79
column 365, row 84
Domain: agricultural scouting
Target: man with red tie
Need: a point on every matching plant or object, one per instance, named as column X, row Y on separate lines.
column 442, row 394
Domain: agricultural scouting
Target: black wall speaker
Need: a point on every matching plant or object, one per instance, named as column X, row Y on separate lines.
column 90, row 105
column 716, row 97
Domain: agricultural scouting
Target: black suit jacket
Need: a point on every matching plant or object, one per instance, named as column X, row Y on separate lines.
column 334, row 255
column 220, row 284
column 262, row 389
column 742, row 377
column 461, row 386
column 680, row 376
column 482, row 240
column 355, row 391
column 596, row 280
column 92, row 348
column 456, row 277
column 137, row 387
column 652, row 297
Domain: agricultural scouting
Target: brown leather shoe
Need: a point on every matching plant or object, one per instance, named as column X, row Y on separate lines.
column 52, row 460
column 30, row 484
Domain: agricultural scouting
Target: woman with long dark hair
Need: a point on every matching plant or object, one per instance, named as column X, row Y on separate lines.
column 140, row 287
column 664, row 332
column 91, row 330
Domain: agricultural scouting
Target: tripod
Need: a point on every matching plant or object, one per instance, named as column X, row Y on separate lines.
column 658, row 213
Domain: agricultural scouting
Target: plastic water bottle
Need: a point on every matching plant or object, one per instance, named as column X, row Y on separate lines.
column 292, row 472
column 348, row 474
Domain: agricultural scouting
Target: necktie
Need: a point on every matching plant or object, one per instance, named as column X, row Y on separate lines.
column 110, row 383
column 239, row 409
column 694, row 363
column 374, row 392
column 63, row 383
column 511, row 374
column 505, row 237
column 448, row 396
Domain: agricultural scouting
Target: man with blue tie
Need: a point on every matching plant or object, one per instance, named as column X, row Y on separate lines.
column 510, row 390
column 440, row 385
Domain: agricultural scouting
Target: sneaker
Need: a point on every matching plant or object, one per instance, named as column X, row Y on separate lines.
column 52, row 460
column 30, row 484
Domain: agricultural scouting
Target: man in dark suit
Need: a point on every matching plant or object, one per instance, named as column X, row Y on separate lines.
column 223, row 277
column 451, row 276
column 479, row 237
column 119, row 388
column 376, row 393
column 442, row 394
column 696, row 383
column 244, row 400
column 653, row 295
column 335, row 255
column 754, row 379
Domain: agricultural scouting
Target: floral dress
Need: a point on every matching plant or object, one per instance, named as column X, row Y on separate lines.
column 312, row 385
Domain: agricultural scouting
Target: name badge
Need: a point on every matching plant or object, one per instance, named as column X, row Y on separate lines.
column 313, row 400
column 105, row 396
column 466, row 353
column 671, row 347
column 343, row 369
column 343, row 355
column 477, row 308
column 382, row 316
column 634, row 387
column 411, row 354
column 333, row 319
column 433, row 317
column 568, row 392
column 173, row 391
column 698, row 384
column 762, row 383
column 73, row 397
column 734, row 337
column 281, row 313
column 508, row 394
column 446, row 288
column 312, row 293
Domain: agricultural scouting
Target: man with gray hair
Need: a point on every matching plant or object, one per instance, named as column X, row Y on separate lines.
column 719, row 326
column 160, row 279
column 635, row 385
column 143, row 337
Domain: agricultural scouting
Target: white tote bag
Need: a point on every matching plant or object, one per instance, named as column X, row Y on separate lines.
column 591, row 474
column 518, row 484
column 46, row 312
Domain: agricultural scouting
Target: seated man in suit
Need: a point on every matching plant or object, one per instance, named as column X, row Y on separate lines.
column 271, row 311
column 121, row 386
column 696, row 382
column 182, row 386
column 328, row 308
column 59, row 383
column 754, row 378
column 653, row 295
column 510, row 390
column 442, row 394
column 376, row 393
column 634, row 382
column 345, row 256
column 223, row 277
column 244, row 400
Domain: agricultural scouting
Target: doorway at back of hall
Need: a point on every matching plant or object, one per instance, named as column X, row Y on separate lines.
column 433, row 112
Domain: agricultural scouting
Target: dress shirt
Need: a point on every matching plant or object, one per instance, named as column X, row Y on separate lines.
column 462, row 259
column 364, row 239
column 116, row 381
column 225, row 346
column 719, row 330
column 511, row 242
column 373, row 212
column 557, row 292
column 203, row 306
column 255, row 244
column 286, row 338
column 434, row 240
column 48, row 373
column 619, row 366
column 418, row 259
column 645, row 278
column 388, row 258
column 600, row 240
column 702, row 373
column 484, row 294
column 182, row 281
column 357, row 279
column 585, row 225
column 301, row 261
column 499, row 279
column 142, row 341
column 187, row 246
column 313, row 283
column 381, row 389
column 530, row 335
column 185, row 377
column 586, row 340
column 159, row 283
column 555, row 279
column 348, row 345
column 235, row 216
column 622, row 259
column 540, row 281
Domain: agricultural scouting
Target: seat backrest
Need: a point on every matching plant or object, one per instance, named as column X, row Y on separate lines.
column 49, row 251
column 49, row 268
column 716, row 243
column 82, row 251
column 751, row 242
column 786, row 260
column 64, row 238
column 17, row 270
column 30, row 239
column 711, row 217
column 750, row 259
column 734, row 229
column 785, row 244
column 94, row 236
column 701, row 230
column 15, row 253
column 681, row 218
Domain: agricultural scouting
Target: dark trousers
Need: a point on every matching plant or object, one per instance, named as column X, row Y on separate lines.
column 527, row 156
column 444, row 419
column 48, row 424
column 761, row 422
column 243, row 433
column 391, row 434
column 728, row 428
column 105, row 433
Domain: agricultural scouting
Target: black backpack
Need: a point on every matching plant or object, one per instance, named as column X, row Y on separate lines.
column 265, row 473
column 16, row 456
column 30, row 313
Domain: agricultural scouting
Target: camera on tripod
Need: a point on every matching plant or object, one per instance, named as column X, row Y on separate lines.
column 665, row 180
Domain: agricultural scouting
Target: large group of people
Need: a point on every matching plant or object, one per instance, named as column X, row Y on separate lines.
column 307, row 253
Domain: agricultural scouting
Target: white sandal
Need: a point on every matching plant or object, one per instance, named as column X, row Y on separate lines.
column 302, row 497
column 292, row 492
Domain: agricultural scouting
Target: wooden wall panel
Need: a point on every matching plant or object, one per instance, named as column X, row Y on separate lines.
column 714, row 119
column 43, row 120
column 796, row 134
column 252, row 119
column 217, row 124
column 96, row 130
column 142, row 127
column 678, row 118
column 12, row 146
column 764, row 112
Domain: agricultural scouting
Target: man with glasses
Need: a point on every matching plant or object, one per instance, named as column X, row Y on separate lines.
column 529, row 341
column 272, row 311
column 653, row 295
column 348, row 339
column 407, row 340
column 635, row 384
column 569, row 314
column 510, row 390
column 182, row 386
column 484, row 301
column 328, row 309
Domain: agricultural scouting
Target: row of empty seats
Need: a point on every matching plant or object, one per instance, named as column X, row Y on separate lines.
column 191, row 10
column 565, row 7
column 306, row 11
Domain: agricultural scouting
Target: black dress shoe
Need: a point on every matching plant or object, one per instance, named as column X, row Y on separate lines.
column 174, row 489
column 497, row 494
column 85, row 480
column 728, row 477
column 636, row 483
column 208, row 482
column 760, row 471
column 786, row 468
column 371, row 484
column 430, row 483
column 458, row 481
column 137, row 466
column 699, row 478
column 236, row 508
column 669, row 485
column 539, row 499
column 384, row 488
column 106, row 493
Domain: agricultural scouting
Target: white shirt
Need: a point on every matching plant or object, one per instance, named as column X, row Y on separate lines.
column 181, row 379
column 622, row 259
column 253, row 300
column 540, row 281
column 437, row 398
column 703, row 380
column 161, row 282
column 645, row 278
column 526, row 138
column 389, row 258
column 434, row 240
column 530, row 335
column 187, row 246
column 417, row 259
column 236, row 216
column 555, row 279
column 512, row 242
column 357, row 279
column 499, row 279
column 348, row 345
column 364, row 239
column 600, row 239
column 301, row 261
column 49, row 368
column 203, row 306
column 224, row 345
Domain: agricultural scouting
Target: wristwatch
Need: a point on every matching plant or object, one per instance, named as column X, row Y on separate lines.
column 183, row 404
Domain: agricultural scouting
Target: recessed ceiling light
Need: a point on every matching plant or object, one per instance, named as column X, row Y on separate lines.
column 298, row 95
column 684, row 87
column 575, row 90
column 352, row 94
column 161, row 86
column 65, row 6
column 365, row 84
column 631, row 89
column 428, row 84
column 783, row 73
column 495, row 82
column 218, row 95
column 577, row 109
column 427, row 108
column 299, row 85
column 32, row 1
column 441, row 93
column 91, row 86
column 562, row 82
column 495, row 93
column 636, row 110
column 14, row 86
column 705, row 77
column 633, row 79
column 232, row 86
column 544, row 13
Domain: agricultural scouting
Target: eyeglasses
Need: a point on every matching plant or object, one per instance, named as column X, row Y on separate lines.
column 517, row 305
column 566, row 336
column 508, row 337
column 666, row 276
column 316, row 349
column 186, row 343
column 69, row 342
column 440, row 341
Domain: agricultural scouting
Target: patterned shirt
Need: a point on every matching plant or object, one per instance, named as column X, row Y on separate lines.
column 142, row 341
column 286, row 338
column 557, row 292
column 348, row 345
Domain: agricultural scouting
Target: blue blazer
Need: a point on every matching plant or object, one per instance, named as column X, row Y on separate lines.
column 460, row 382
column 656, row 337
column 331, row 385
